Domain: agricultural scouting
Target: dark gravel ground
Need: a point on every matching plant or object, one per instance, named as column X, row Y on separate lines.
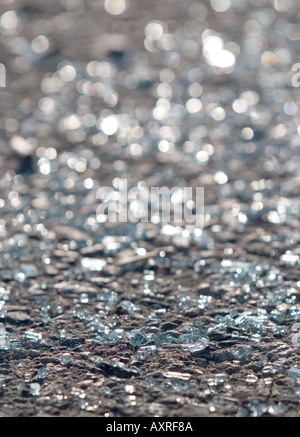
column 115, row 304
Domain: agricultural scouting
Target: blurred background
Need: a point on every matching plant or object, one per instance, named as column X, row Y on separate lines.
column 192, row 93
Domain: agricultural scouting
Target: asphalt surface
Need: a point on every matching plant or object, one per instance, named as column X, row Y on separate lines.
column 149, row 319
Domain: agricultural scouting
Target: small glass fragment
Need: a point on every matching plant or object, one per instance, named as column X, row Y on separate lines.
column 66, row 358
column 34, row 336
column 35, row 389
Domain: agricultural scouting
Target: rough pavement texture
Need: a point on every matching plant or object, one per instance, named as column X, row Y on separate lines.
column 149, row 319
